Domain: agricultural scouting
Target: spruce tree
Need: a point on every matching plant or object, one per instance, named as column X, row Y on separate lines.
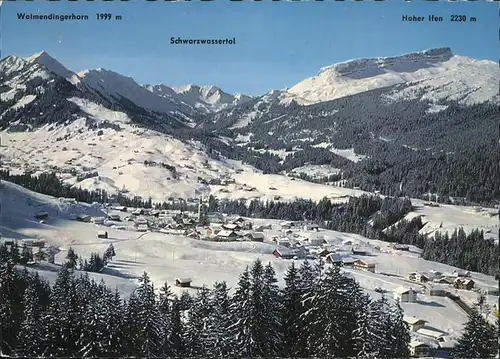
column 31, row 334
column 479, row 338
column 195, row 333
column 291, row 312
column 26, row 255
column 219, row 344
column 271, row 300
column 72, row 258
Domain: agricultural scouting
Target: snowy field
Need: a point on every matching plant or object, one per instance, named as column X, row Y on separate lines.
column 166, row 257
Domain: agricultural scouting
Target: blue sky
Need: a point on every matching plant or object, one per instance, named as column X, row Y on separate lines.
column 277, row 43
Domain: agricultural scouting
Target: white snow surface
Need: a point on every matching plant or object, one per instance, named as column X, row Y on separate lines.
column 166, row 256
column 99, row 112
column 205, row 99
column 44, row 59
column 450, row 77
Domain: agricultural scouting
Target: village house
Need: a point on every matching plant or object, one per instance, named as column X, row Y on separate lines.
column 359, row 251
column 316, row 241
column 405, row 295
column 226, row 235
column 438, row 290
column 414, row 323
column 444, row 280
column 286, row 225
column 231, row 226
column 401, row 247
column 333, row 258
column 255, row 236
column 284, row 242
column 462, row 283
column 419, row 277
column 102, row 234
column 83, row 218
column 311, row 227
column 461, row 273
column 323, row 252
column 348, row 261
column 431, row 333
column 444, row 348
column 138, row 212
column 98, row 220
column 183, row 282
column 114, row 217
column 419, row 349
column 188, row 222
column 283, row 253
column 364, row 265
column 142, row 228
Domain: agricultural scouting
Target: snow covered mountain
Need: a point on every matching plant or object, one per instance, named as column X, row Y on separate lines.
column 439, row 71
column 205, row 99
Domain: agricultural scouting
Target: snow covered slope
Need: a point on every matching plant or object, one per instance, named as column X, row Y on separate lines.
column 44, row 59
column 449, row 76
column 205, row 99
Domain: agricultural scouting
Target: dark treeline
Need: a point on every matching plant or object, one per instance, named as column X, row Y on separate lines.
column 364, row 215
column 315, row 314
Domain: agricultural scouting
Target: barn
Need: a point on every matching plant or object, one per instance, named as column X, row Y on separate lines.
column 183, row 282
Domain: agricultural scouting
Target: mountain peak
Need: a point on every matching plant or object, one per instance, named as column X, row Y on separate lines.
column 42, row 58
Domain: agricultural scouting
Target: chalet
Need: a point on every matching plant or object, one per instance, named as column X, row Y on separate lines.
column 401, row 247
column 155, row 213
column 287, row 232
column 405, row 295
column 359, row 251
column 227, row 235
column 121, row 208
column 419, row 277
column 364, row 265
column 431, row 333
column 238, row 221
column 98, row 220
column 323, row 252
column 316, row 241
column 348, row 261
column 231, row 226
column 40, row 256
column 193, row 234
column 489, row 291
column 259, row 228
column 284, row 242
column 333, row 258
column 255, row 236
column 438, row 290
column 419, row 349
column 41, row 215
column 138, row 212
column 311, row 227
column 414, row 323
column 461, row 273
column 444, row 280
column 140, row 220
column 102, row 234
column 283, row 253
column 444, row 348
column 462, row 283
column 286, row 225
column 83, row 218
column 114, row 217
column 188, row 222
column 183, row 282
column 142, row 227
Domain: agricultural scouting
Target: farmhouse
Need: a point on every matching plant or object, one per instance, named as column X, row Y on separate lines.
column 102, row 234
column 227, row 235
column 284, row 242
column 83, row 218
column 348, row 261
column 114, row 217
column 333, row 258
column 414, row 323
column 98, row 220
column 231, row 226
column 419, row 349
column 364, row 265
column 419, row 277
column 405, row 295
column 401, row 247
column 359, row 251
column 255, row 236
column 444, row 280
column 462, row 283
column 283, row 253
column 183, row 282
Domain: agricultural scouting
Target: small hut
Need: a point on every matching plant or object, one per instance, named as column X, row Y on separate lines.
column 102, row 234
column 183, row 282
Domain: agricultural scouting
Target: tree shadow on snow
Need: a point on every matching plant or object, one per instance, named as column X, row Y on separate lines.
column 117, row 273
column 430, row 304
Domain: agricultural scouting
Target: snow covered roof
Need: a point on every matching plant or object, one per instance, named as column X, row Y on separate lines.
column 225, row 233
column 412, row 320
column 416, row 343
column 183, row 280
column 402, row 290
column 430, row 332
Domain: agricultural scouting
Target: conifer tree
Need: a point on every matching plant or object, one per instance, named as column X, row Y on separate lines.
column 291, row 312
column 219, row 344
column 72, row 258
column 30, row 336
column 26, row 255
column 271, row 315
column 195, row 333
